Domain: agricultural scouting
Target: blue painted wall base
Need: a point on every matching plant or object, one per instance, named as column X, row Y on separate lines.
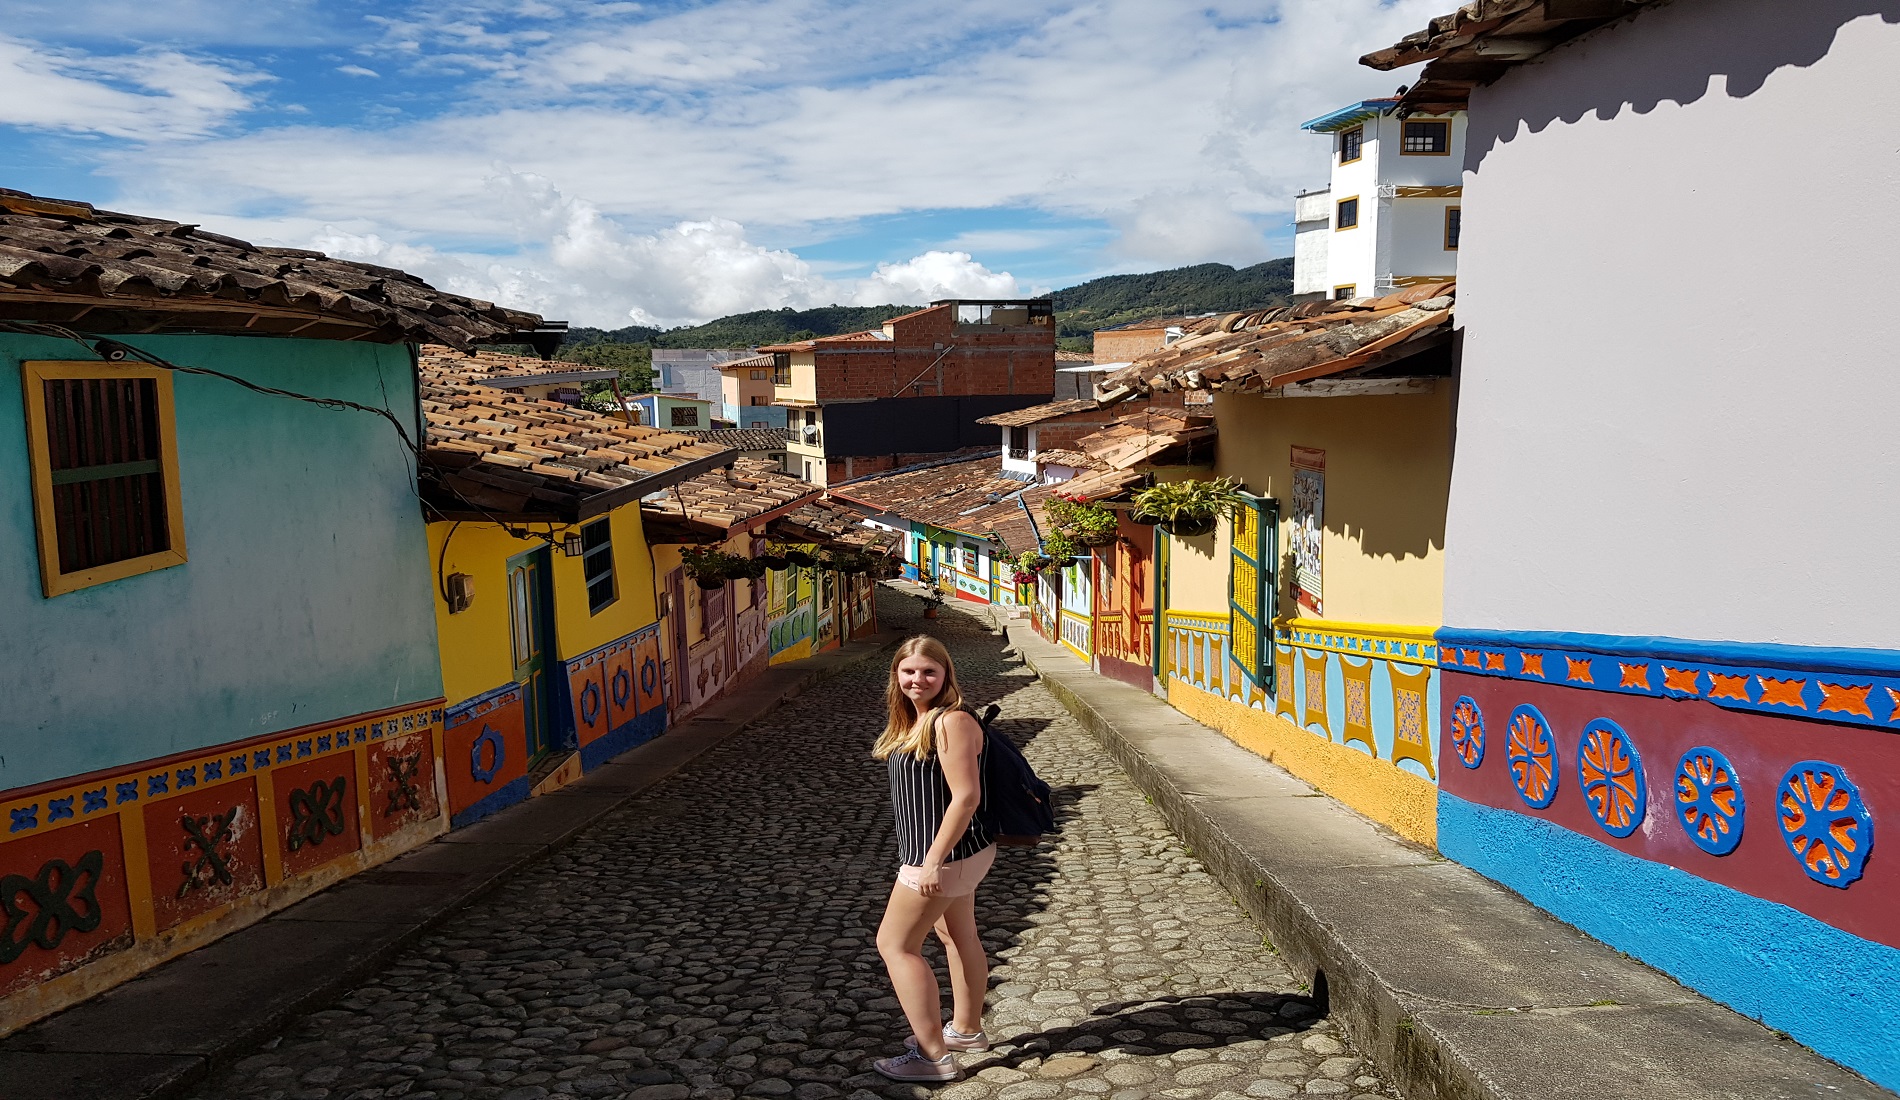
column 611, row 744
column 501, row 799
column 1833, row 992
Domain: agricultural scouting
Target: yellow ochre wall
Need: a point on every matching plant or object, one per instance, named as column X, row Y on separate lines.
column 475, row 646
column 1388, row 474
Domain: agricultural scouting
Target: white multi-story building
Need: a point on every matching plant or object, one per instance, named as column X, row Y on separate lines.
column 1390, row 217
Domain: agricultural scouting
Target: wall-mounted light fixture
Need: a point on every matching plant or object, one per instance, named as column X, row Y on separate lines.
column 571, row 545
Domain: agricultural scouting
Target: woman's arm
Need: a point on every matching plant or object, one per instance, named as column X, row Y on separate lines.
column 959, row 749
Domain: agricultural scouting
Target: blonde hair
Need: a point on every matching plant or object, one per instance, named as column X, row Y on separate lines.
column 906, row 731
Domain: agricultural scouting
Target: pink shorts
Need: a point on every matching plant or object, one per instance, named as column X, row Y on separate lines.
column 959, row 878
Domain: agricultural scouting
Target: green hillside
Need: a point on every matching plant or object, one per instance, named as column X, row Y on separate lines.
column 1080, row 310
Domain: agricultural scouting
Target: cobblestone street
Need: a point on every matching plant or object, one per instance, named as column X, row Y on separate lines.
column 713, row 940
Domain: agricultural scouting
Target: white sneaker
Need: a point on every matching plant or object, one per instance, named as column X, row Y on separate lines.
column 913, row 1066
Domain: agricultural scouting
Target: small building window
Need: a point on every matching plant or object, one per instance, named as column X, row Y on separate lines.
column 597, row 564
column 685, row 416
column 104, row 460
column 760, row 401
column 1350, row 290
column 1348, row 215
column 781, row 368
column 1016, row 440
column 1352, row 144
column 1451, row 228
column 761, row 375
column 1425, row 139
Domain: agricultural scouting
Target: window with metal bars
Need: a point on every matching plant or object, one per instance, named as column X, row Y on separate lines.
column 1425, row 139
column 1018, row 442
column 105, row 482
column 597, row 564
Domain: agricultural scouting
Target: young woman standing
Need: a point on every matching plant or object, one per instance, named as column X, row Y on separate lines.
column 933, row 749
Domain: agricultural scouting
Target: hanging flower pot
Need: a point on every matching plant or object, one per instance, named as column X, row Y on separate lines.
column 799, row 558
column 709, row 583
column 1143, row 518
column 1188, row 527
column 775, row 562
column 1095, row 538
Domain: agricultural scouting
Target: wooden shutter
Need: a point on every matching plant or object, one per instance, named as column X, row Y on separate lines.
column 1251, row 588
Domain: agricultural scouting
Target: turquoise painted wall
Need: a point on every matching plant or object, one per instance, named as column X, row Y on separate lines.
column 307, row 594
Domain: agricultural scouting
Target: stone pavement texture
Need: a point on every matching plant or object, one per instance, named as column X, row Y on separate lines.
column 1454, row 986
column 712, row 939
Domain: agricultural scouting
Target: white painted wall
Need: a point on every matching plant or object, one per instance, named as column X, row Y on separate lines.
column 1312, row 233
column 1680, row 405
column 1418, row 238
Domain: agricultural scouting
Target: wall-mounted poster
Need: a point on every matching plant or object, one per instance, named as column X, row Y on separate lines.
column 1309, row 524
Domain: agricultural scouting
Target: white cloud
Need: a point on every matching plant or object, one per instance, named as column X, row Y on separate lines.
column 1173, row 228
column 576, row 264
column 357, row 70
column 159, row 94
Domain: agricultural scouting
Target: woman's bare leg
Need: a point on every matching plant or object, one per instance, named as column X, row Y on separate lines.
column 969, row 964
column 900, row 939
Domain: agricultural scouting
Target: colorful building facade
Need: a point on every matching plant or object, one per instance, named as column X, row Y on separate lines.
column 221, row 669
column 1669, row 701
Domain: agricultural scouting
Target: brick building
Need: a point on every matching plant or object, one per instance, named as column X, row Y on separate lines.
column 914, row 389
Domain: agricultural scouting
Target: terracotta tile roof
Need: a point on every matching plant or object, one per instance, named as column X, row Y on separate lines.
column 1143, row 437
column 1104, row 484
column 1477, row 43
column 1151, row 324
column 1036, row 414
column 970, row 496
column 750, row 362
column 1249, row 352
column 489, row 452
column 830, row 521
column 61, row 259
column 509, row 371
column 868, row 336
column 753, row 490
column 744, row 439
column 1056, row 456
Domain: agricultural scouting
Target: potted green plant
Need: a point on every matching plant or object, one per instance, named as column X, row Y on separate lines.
column 1189, row 508
column 800, row 558
column 709, row 566
column 933, row 600
column 1032, row 562
column 775, row 562
column 1088, row 524
column 1060, row 548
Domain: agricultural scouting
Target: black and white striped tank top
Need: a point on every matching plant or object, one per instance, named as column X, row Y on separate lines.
column 920, row 795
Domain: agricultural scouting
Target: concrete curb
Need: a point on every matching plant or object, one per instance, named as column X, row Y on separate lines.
column 1456, row 988
column 159, row 1035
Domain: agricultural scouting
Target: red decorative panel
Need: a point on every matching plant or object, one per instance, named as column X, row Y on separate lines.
column 484, row 748
column 648, row 680
column 316, row 811
column 587, row 688
column 204, row 850
column 623, row 694
column 63, row 896
column 401, row 783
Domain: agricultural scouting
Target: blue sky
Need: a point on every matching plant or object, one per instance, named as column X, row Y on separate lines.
column 669, row 162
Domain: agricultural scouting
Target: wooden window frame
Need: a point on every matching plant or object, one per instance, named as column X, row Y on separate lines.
column 34, row 374
column 1343, row 158
column 674, row 416
column 1451, row 236
column 588, row 556
column 781, row 368
column 1352, row 290
column 1445, row 122
column 1337, row 210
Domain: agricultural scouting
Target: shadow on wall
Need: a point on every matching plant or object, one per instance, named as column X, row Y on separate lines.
column 1674, row 61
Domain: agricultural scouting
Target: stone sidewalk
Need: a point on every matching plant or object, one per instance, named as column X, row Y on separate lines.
column 1453, row 985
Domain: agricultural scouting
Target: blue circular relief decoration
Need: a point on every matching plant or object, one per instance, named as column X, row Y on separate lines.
column 1824, row 822
column 498, row 754
column 649, row 675
column 621, row 686
column 1531, row 751
column 1709, row 801
column 1467, row 731
column 1610, row 774
column 590, row 702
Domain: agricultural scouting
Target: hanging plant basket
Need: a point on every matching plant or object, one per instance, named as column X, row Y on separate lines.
column 775, row 562
column 1189, row 527
column 1095, row 538
column 709, row 583
column 799, row 558
column 1143, row 518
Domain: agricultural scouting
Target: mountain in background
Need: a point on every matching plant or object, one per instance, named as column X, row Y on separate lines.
column 1080, row 310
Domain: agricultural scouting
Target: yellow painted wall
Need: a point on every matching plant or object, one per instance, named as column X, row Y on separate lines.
column 1406, row 803
column 1197, row 570
column 1388, row 474
column 476, row 652
column 576, row 630
column 804, row 385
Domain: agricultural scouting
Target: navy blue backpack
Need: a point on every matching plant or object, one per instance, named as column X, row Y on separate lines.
column 1017, row 807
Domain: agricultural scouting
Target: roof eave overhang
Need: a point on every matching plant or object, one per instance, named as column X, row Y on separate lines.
column 603, row 503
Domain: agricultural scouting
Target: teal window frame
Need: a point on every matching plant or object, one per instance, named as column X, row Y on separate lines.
column 597, row 565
